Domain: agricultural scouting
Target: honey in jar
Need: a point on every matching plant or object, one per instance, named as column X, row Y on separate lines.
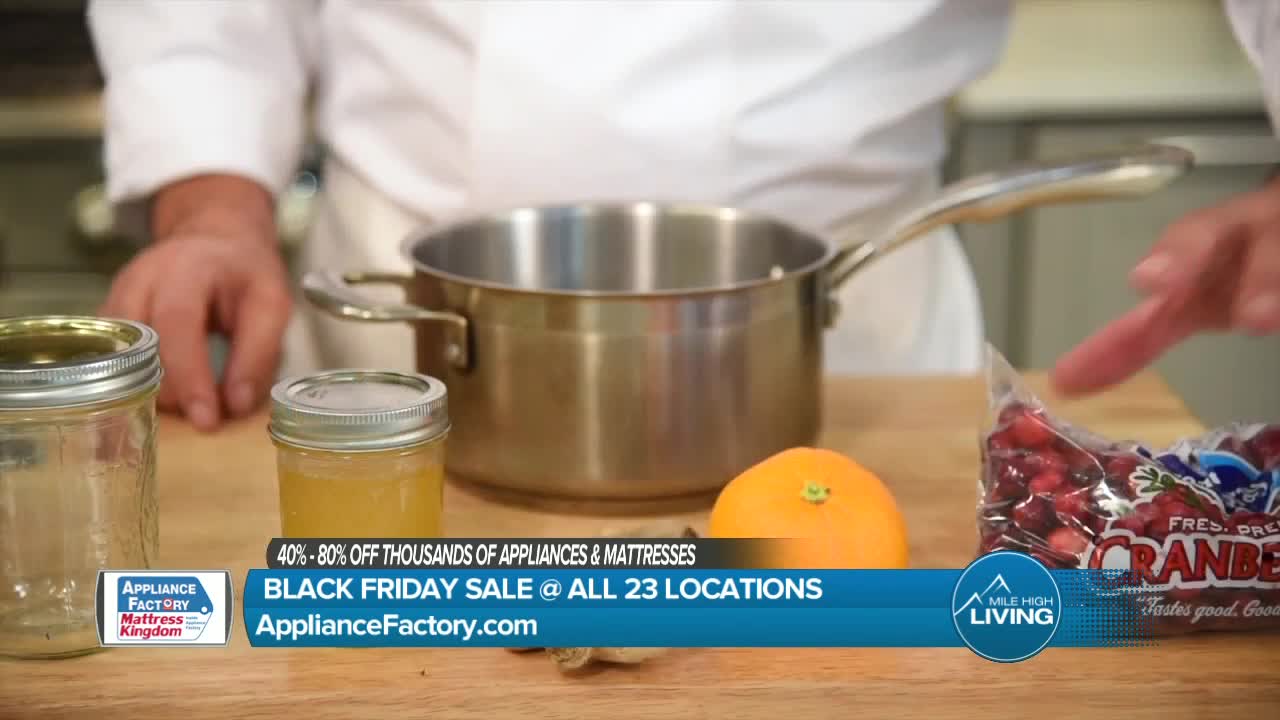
column 360, row 454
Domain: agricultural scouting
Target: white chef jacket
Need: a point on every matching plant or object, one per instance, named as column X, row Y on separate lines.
column 1256, row 24
column 819, row 113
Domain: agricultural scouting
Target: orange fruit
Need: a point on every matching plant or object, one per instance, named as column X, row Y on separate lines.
column 836, row 513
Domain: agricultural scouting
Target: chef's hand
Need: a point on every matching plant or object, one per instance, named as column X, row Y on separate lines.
column 214, row 265
column 1214, row 270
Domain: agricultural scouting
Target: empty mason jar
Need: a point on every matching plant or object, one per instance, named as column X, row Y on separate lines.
column 77, row 473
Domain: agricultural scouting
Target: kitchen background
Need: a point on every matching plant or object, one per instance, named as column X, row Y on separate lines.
column 1077, row 75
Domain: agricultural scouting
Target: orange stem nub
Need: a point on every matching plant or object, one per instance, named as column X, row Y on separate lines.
column 815, row 493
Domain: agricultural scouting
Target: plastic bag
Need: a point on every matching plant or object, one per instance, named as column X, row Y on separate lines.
column 1197, row 525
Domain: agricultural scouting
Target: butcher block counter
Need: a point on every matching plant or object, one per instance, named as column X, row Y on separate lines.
column 219, row 508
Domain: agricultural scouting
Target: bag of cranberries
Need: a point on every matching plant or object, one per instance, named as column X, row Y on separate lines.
column 1197, row 525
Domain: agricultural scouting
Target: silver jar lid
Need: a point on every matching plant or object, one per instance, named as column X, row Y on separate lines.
column 359, row 410
column 60, row 361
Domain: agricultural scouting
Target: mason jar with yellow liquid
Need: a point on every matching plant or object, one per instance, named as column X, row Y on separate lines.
column 360, row 454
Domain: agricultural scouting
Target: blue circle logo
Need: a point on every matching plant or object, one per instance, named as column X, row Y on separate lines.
column 1006, row 606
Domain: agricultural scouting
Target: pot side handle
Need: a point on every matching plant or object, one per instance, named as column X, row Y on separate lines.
column 988, row 197
column 333, row 292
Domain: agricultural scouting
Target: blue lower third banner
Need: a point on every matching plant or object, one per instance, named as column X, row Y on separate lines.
column 1005, row 607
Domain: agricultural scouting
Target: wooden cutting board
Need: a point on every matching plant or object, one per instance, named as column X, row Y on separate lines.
column 218, row 499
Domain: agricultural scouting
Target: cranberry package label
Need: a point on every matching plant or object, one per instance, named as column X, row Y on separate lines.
column 1195, row 528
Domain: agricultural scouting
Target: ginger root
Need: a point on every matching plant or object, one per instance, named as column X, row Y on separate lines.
column 577, row 658
column 668, row 529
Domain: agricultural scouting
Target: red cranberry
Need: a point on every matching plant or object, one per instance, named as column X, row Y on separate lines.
column 1096, row 523
column 1237, row 447
column 1266, row 447
column 993, row 537
column 1001, row 442
column 1077, row 458
column 1046, row 483
column 1072, row 507
column 1068, row 540
column 1010, row 481
column 1086, row 477
column 990, row 471
column 1121, row 467
column 1012, row 412
column 1121, row 489
column 1005, row 492
column 1053, row 561
column 1120, row 483
column 1008, row 542
column 992, row 514
column 1045, row 461
column 1035, row 514
column 1031, row 430
column 994, row 529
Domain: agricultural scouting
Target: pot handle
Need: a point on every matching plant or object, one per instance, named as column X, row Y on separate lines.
column 333, row 293
column 988, row 197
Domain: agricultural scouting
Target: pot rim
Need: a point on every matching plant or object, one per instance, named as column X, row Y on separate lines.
column 423, row 234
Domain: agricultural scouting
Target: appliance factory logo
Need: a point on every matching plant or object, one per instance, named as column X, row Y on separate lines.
column 1006, row 607
column 164, row 607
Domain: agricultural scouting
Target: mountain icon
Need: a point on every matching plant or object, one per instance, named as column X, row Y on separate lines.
column 997, row 584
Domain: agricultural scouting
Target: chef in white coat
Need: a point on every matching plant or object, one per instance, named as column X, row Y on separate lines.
column 826, row 114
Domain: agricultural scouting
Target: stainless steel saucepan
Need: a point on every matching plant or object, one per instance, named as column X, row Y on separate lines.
column 636, row 352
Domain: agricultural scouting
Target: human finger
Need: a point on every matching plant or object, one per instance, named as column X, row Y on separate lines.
column 1256, row 306
column 180, row 314
column 129, row 296
column 1190, row 248
column 261, row 315
column 1123, row 347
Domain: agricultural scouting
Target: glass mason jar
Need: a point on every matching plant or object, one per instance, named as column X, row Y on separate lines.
column 77, row 473
column 360, row 454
